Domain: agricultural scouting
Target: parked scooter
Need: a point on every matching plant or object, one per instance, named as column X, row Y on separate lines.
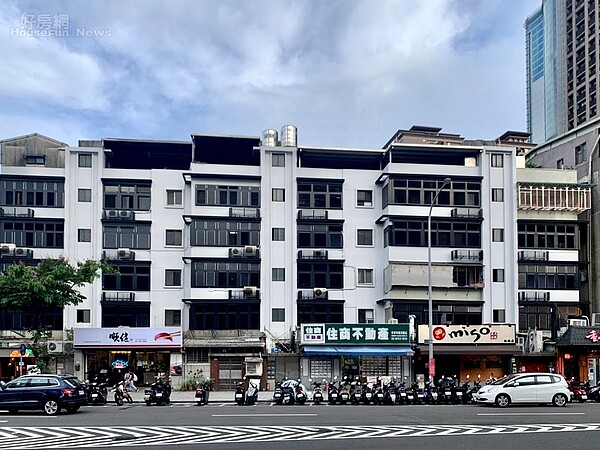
column 333, row 392
column 367, row 393
column 246, row 396
column 431, row 393
column 202, row 392
column 317, row 393
column 121, row 394
column 251, row 393
column 97, row 393
column 301, row 394
column 288, row 389
column 344, row 392
column 278, row 393
column 593, row 392
column 578, row 391
column 355, row 392
column 390, row 393
column 158, row 392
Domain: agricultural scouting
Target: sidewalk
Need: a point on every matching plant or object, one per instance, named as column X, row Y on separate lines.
column 189, row 396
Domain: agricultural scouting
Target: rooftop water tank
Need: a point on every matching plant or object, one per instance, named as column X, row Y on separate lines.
column 289, row 136
column 269, row 138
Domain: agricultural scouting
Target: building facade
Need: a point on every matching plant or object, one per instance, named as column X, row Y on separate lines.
column 227, row 246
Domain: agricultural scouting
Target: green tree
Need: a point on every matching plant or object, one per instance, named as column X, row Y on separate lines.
column 52, row 283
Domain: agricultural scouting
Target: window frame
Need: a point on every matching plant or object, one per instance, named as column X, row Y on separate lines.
column 176, row 236
column 171, row 276
column 172, row 197
column 84, row 160
column 364, row 232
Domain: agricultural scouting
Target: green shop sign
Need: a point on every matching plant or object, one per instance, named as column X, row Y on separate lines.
column 360, row 333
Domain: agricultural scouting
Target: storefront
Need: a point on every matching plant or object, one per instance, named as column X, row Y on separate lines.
column 475, row 350
column 578, row 354
column 144, row 351
column 351, row 350
column 13, row 364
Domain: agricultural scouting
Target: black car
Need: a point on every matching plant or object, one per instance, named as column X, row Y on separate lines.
column 48, row 392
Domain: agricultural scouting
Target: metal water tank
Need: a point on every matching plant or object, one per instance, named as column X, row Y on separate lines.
column 289, row 136
column 269, row 138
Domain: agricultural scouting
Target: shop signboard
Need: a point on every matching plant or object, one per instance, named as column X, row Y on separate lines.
column 358, row 334
column 127, row 337
column 469, row 334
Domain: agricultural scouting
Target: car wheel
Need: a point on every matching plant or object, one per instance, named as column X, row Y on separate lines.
column 51, row 407
column 72, row 409
column 559, row 400
column 502, row 400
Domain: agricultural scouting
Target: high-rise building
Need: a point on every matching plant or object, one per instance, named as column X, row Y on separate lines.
column 561, row 41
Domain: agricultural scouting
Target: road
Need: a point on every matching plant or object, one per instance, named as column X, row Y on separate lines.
column 185, row 426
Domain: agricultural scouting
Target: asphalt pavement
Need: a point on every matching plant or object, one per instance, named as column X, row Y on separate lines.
column 189, row 396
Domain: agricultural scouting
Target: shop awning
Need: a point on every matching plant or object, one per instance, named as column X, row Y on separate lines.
column 473, row 349
column 357, row 350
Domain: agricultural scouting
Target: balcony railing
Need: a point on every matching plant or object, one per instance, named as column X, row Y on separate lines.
column 466, row 212
column 16, row 211
column 312, row 254
column 244, row 212
column 244, row 293
column 554, row 198
column 533, row 255
column 534, row 296
column 118, row 296
column 467, row 255
column 313, row 214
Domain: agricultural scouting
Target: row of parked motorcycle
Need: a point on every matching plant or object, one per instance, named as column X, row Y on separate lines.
column 158, row 393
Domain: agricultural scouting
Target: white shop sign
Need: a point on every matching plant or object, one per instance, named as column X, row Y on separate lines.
column 469, row 334
column 127, row 337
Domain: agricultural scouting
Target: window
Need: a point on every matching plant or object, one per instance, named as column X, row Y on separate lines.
column 278, row 274
column 497, row 194
column 35, row 160
column 555, row 235
column 83, row 316
column 497, row 234
column 365, row 277
column 219, row 274
column 85, row 160
column 278, row 195
column 224, row 315
column 364, row 237
column 132, row 196
column 174, row 197
column 320, row 274
column 84, row 235
column 418, row 191
column 364, row 198
column 133, row 235
column 580, row 154
column 320, row 194
column 224, row 232
column 320, row 312
column 125, row 314
column 320, row 235
column 52, row 317
column 534, row 316
column 130, row 277
column 498, row 275
column 444, row 233
column 497, row 160
column 84, row 195
column 26, row 232
column 173, row 277
column 174, row 237
column 212, row 195
column 278, row 160
column 278, row 234
column 548, row 276
column 455, row 314
column 463, row 275
column 31, row 191
column 278, row 314
column 560, row 164
column 172, row 317
column 499, row 315
column 366, row 316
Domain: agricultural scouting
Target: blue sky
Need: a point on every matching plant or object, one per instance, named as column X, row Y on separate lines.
column 346, row 73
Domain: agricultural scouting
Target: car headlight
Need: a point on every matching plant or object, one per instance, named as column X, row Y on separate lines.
column 493, row 389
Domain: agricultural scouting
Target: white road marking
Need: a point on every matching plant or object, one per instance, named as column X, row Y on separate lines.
column 262, row 415
column 534, row 414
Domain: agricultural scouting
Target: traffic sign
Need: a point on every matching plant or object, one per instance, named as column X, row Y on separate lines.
column 22, row 349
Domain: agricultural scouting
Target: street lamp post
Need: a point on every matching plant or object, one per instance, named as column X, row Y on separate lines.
column 429, row 286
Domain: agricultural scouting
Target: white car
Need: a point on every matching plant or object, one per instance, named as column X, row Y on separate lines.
column 526, row 388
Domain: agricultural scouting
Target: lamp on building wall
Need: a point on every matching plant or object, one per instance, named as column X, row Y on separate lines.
column 429, row 286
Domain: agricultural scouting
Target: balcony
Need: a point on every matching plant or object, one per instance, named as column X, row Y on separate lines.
column 118, row 296
column 534, row 296
column 247, row 292
column 313, row 294
column 532, row 255
column 251, row 213
column 313, row 214
column 466, row 255
column 312, row 254
column 466, row 212
column 118, row 214
column 17, row 211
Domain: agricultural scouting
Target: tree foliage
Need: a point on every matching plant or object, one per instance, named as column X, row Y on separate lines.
column 52, row 283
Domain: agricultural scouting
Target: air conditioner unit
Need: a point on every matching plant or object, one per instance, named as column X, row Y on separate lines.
column 55, row 346
column 124, row 253
column 23, row 252
column 320, row 254
column 236, row 252
column 578, row 323
column 320, row 292
column 250, row 291
column 7, row 249
column 125, row 214
column 250, row 250
column 393, row 321
column 596, row 320
column 68, row 347
column 112, row 214
column 521, row 343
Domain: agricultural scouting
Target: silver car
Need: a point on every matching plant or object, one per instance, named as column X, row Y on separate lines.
column 536, row 387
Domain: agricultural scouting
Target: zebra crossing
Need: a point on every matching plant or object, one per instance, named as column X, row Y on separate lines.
column 137, row 436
